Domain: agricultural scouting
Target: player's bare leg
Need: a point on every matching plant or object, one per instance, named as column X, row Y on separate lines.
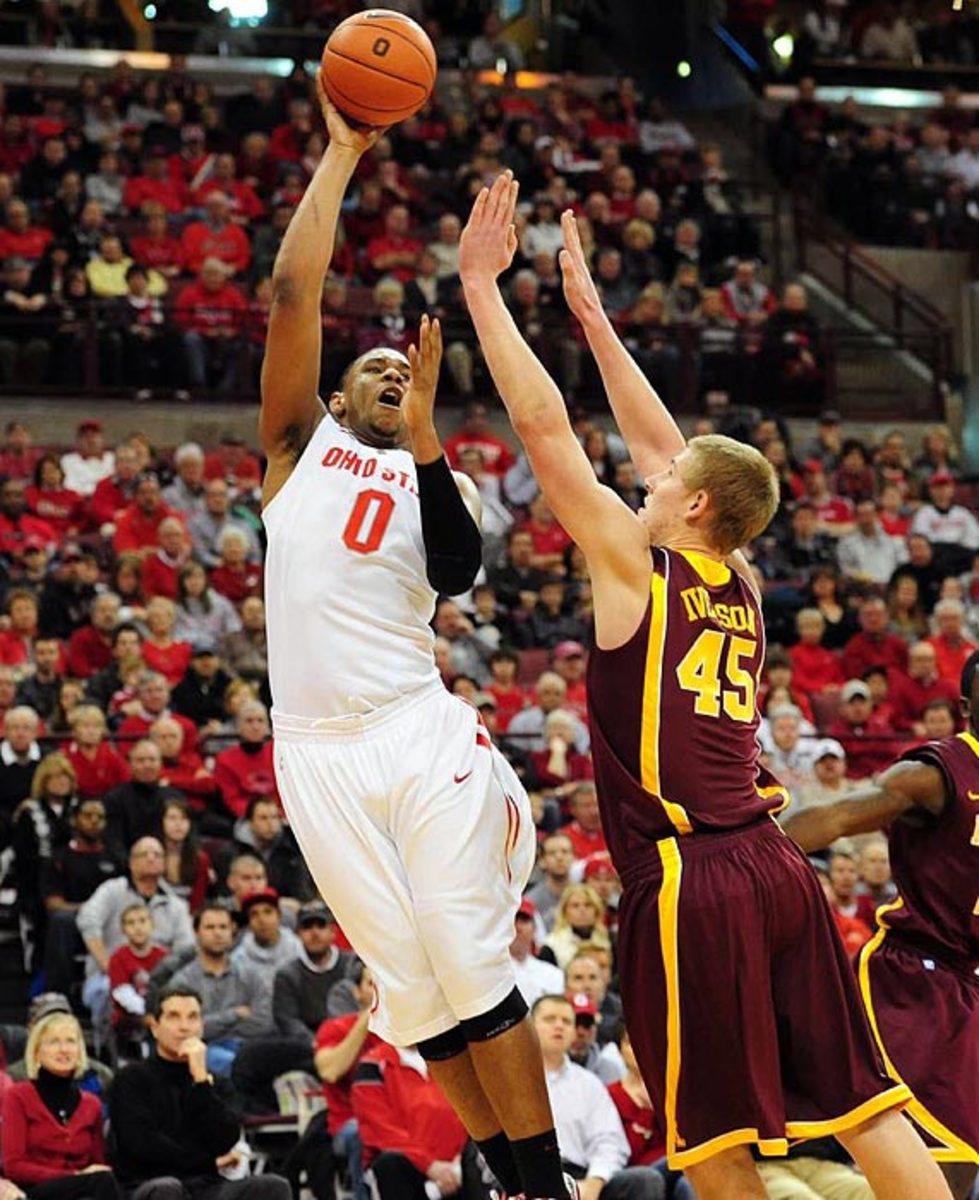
column 894, row 1159
column 960, row 1178
column 729, row 1175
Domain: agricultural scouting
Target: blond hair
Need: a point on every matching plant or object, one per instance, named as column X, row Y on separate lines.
column 49, row 766
column 41, row 1030
column 86, row 712
column 599, row 935
column 742, row 486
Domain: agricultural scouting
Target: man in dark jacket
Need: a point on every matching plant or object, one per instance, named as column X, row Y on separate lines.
column 200, row 694
column 135, row 809
column 173, row 1128
column 261, row 832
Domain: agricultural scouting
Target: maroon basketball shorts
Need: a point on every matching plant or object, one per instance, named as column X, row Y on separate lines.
column 742, row 1007
column 924, row 1014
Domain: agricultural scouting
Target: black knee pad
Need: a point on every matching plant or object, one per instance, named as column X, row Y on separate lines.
column 509, row 1012
column 443, row 1046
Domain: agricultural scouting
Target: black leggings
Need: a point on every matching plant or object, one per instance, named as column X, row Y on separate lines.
column 97, row 1185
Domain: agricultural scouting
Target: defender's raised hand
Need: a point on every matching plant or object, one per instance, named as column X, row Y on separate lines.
column 489, row 241
column 418, row 405
column 579, row 287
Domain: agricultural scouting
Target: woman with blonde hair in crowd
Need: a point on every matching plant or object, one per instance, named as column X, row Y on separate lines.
column 162, row 650
column 51, row 1139
column 580, row 918
column 98, row 766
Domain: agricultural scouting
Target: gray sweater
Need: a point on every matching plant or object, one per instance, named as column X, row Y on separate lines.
column 237, row 986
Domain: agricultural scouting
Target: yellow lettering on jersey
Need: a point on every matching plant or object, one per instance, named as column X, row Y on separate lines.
column 738, row 618
column 975, row 911
column 975, row 833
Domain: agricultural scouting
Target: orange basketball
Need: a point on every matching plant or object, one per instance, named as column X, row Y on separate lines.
column 378, row 67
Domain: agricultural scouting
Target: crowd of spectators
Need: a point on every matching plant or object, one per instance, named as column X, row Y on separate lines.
column 890, row 179
column 142, row 215
column 139, row 820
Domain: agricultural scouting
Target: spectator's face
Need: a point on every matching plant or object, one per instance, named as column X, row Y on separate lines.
column 397, row 221
column 253, row 727
column 829, row 770
column 873, row 617
column 449, row 229
column 941, row 494
column 147, row 496
column 585, row 975
column 265, row 922
column 137, row 927
column 146, row 859
column 551, row 693
column 17, row 216
column 215, row 932
column 938, row 723
column 8, row 689
column 875, row 864
column 857, row 710
column 111, row 250
column 523, row 934
column 579, row 911
column 128, row 644
column 191, row 470
column 59, row 1050
column 521, row 549
column 247, row 877
column 212, row 277
column 525, row 290
column 610, row 266
column 180, row 1019
column 253, row 614
column 785, row 732
column 795, row 300
column 919, row 551
column 138, row 284
column 12, row 499
column 317, row 936
column 867, row 518
column 105, row 613
column 949, row 623
column 46, row 655
column 843, row 877
column 23, row 614
column 146, row 763
column 89, row 820
column 922, row 661
column 216, row 208
column 557, row 857
column 20, row 732
column 554, row 1023
column 168, row 736
column 265, row 822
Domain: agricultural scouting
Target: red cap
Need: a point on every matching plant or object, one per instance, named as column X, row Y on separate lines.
column 584, row 1005
column 527, row 908
column 264, row 896
column 599, row 863
column 941, row 477
column 812, row 466
column 90, row 424
column 32, row 542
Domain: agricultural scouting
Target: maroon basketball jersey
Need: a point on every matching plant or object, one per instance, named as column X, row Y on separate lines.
column 673, row 714
column 935, row 860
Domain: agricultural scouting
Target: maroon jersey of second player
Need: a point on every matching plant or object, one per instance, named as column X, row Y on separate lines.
column 673, row 713
column 935, row 860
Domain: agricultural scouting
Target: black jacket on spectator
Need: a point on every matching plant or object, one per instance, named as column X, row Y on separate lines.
column 299, row 994
column 39, row 831
column 15, row 785
column 63, row 607
column 134, row 810
column 284, row 864
column 509, row 581
column 73, row 872
column 103, row 685
column 165, row 1124
column 41, row 696
column 201, row 699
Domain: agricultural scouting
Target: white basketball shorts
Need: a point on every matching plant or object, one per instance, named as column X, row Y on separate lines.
column 420, row 838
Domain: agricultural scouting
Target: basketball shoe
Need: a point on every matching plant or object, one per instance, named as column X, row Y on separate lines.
column 572, row 1186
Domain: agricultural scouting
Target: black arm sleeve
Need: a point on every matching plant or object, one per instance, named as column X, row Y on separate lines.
column 453, row 546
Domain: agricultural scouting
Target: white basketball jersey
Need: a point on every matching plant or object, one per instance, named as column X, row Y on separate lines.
column 348, row 602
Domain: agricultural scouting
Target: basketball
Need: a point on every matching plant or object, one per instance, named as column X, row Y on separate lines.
column 378, row 67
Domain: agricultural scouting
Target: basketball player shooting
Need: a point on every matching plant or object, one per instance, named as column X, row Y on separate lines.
column 918, row 973
column 416, row 830
column 741, row 1005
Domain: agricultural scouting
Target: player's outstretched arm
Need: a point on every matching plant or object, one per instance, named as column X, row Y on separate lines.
column 650, row 432
column 291, row 407
column 450, row 504
column 607, row 531
column 902, row 787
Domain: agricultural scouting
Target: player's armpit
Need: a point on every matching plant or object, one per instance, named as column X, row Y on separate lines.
column 893, row 794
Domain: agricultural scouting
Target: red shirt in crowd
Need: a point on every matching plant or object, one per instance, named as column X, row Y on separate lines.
column 159, row 574
column 199, row 311
column 14, row 534
column 187, row 774
column 909, row 697
column 864, row 651
column 548, row 539
column 402, row 1110
column 230, row 244
column 100, row 773
column 645, row 1146
column 171, row 661
column 60, row 507
column 509, row 701
column 498, row 458
column 169, row 192
column 20, row 466
column 16, row 649
column 950, row 656
column 244, row 774
column 30, row 244
column 247, row 473
column 584, row 843
column 37, row 1147
column 869, row 747
column 386, row 244
column 107, row 501
column 238, row 584
column 137, row 530
column 137, row 726
column 814, row 668
column 579, row 767
column 162, row 252
column 244, row 201
column 332, row 1032
column 88, row 652
column 127, row 967
column 834, row 510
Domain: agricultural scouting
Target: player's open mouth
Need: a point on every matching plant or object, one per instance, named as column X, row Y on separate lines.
column 390, row 397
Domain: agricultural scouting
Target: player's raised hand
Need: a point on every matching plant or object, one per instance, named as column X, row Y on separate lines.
column 579, row 287
column 341, row 134
column 489, row 241
column 418, row 405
